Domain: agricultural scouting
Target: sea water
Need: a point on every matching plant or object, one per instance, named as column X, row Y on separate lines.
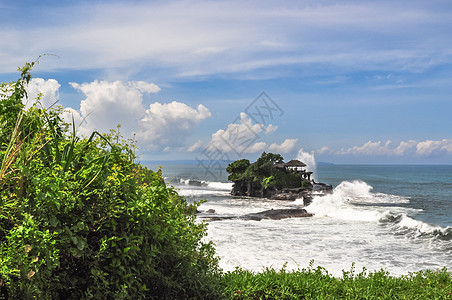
column 397, row 218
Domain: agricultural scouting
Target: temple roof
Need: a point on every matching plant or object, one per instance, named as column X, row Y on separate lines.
column 295, row 163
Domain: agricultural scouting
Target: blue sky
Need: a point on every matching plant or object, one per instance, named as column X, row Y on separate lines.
column 353, row 81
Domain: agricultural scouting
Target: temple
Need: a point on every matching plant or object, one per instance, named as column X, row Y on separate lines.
column 270, row 177
column 297, row 166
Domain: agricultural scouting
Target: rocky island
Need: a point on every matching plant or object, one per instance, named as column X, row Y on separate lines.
column 270, row 177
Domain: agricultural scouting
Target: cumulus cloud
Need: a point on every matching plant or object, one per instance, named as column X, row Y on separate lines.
column 48, row 88
column 404, row 147
column 285, row 147
column 447, row 146
column 410, row 147
column 271, row 128
column 369, row 148
column 256, row 147
column 109, row 103
column 170, row 122
column 323, row 150
column 429, row 147
column 241, row 137
column 195, row 146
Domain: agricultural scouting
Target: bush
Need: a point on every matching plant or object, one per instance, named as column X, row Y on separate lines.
column 79, row 219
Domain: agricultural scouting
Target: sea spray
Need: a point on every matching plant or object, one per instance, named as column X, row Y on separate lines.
column 308, row 159
column 339, row 204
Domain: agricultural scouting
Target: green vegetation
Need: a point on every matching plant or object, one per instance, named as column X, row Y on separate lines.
column 262, row 178
column 316, row 283
column 80, row 219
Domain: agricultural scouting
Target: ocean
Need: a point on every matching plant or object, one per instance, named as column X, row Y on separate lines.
column 392, row 217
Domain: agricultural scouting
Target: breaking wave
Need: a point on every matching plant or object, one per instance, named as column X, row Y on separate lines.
column 215, row 185
column 355, row 201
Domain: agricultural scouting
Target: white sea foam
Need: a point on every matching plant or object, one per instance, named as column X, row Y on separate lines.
column 221, row 186
column 308, row 159
column 356, row 189
column 350, row 225
column 331, row 243
column 200, row 188
column 418, row 228
column 344, row 204
column 336, row 206
column 339, row 204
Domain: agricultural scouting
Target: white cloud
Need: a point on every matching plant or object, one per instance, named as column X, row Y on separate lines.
column 429, row 147
column 256, row 147
column 447, row 146
column 404, row 147
column 410, row 147
column 271, row 128
column 195, row 146
column 369, row 148
column 48, row 88
column 323, row 150
column 108, row 104
column 285, row 147
column 240, row 137
column 144, row 87
column 208, row 37
column 170, row 123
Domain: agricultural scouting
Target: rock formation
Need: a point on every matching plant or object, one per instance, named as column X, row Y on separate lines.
column 270, row 177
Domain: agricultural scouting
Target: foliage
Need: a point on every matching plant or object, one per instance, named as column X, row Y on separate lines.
column 79, row 219
column 317, row 283
column 263, row 174
column 237, row 169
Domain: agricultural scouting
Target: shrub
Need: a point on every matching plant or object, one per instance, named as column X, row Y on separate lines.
column 79, row 219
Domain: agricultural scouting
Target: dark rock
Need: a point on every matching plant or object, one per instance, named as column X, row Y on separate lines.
column 284, row 196
column 272, row 214
column 278, row 214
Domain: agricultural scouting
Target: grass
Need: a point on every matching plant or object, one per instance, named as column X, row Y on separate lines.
column 319, row 284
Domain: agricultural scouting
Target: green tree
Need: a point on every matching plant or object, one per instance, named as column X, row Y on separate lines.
column 237, row 169
column 264, row 166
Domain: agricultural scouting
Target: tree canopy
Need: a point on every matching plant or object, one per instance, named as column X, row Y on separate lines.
column 263, row 174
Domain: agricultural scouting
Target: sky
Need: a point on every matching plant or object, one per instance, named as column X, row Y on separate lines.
column 354, row 82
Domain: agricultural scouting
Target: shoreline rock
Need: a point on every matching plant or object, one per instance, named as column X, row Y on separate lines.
column 271, row 214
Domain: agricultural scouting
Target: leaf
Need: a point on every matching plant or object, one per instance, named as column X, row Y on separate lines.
column 81, row 245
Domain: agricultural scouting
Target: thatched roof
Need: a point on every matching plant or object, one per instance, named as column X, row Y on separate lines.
column 295, row 163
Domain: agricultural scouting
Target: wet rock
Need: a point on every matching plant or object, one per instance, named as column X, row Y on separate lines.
column 284, row 196
column 272, row 214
